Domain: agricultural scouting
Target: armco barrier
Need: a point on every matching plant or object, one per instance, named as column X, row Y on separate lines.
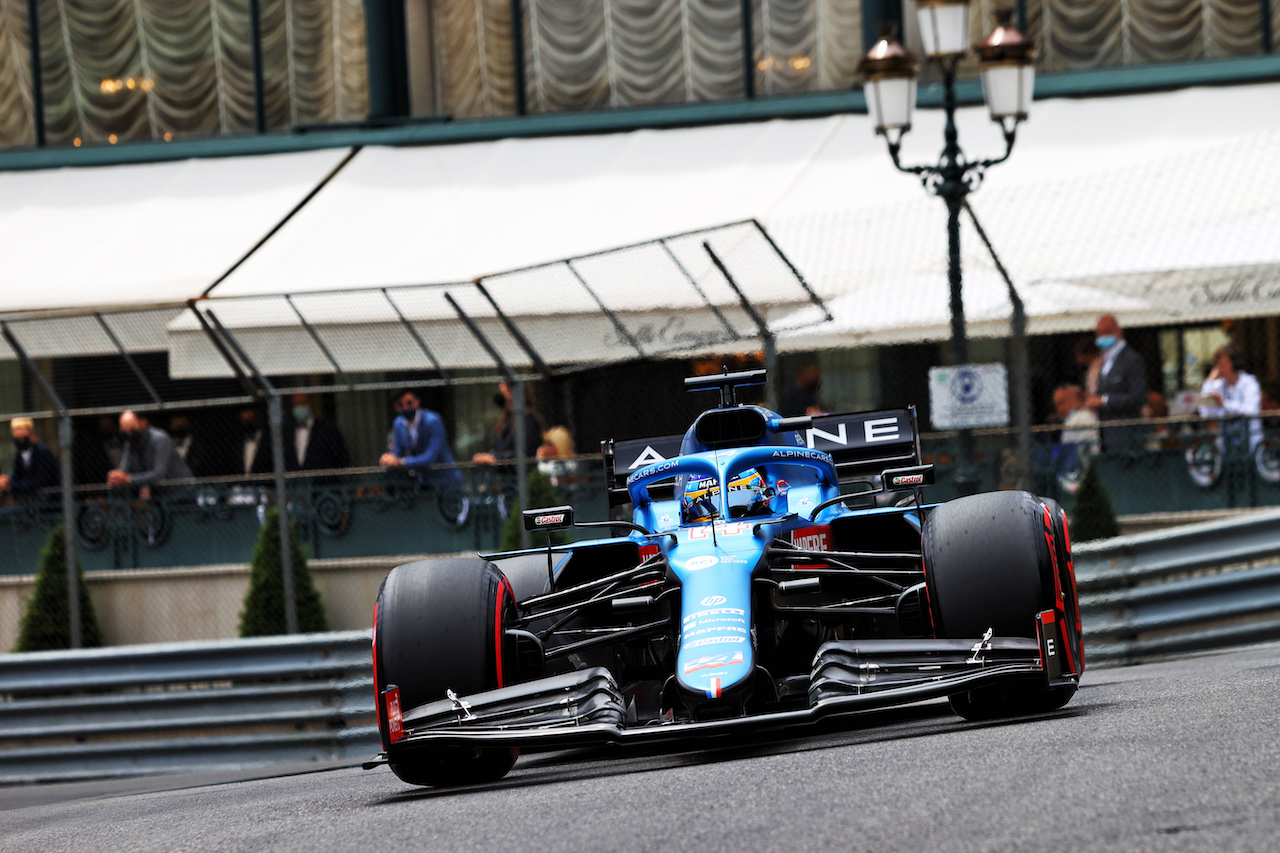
column 180, row 706
column 239, row 703
column 1193, row 588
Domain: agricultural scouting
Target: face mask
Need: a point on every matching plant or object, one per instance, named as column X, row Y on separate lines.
column 409, row 412
column 133, row 437
column 499, row 400
column 22, row 443
column 180, row 433
column 1105, row 341
column 301, row 413
column 249, row 427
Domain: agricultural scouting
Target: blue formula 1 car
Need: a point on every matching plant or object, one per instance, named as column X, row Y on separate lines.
column 775, row 571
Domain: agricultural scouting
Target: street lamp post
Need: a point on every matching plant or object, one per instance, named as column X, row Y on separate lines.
column 1008, row 77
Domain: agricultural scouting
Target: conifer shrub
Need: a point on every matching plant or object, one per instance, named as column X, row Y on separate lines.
column 46, row 626
column 263, row 613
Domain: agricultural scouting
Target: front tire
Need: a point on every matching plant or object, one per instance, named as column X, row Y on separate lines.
column 438, row 626
column 988, row 565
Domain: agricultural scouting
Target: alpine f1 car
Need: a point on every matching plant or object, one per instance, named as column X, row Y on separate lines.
column 775, row 571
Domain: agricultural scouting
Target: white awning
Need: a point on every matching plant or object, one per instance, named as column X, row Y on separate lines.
column 136, row 235
column 141, row 234
column 400, row 216
column 918, row 309
column 1154, row 207
column 1089, row 181
column 651, row 300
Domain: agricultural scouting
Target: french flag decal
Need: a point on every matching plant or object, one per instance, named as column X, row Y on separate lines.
column 713, row 692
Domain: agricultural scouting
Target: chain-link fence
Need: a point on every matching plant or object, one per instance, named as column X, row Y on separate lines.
column 296, row 399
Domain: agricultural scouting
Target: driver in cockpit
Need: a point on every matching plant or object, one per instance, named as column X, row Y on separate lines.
column 748, row 497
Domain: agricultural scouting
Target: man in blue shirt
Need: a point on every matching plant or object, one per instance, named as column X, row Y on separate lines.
column 419, row 442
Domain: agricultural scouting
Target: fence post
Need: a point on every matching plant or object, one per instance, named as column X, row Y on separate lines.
column 69, row 530
column 275, row 419
column 522, row 464
column 1020, row 371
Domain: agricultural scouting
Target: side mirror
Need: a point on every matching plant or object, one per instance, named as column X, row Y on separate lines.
column 908, row 478
column 548, row 518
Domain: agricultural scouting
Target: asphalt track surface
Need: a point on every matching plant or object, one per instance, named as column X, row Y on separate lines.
column 1180, row 755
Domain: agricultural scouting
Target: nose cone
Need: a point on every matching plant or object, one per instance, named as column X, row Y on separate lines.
column 716, row 657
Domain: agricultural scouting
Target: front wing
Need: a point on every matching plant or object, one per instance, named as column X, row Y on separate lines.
column 586, row 708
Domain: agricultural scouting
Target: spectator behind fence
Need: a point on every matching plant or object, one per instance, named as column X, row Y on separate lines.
column 193, row 449
column 802, row 398
column 34, row 466
column 1156, row 408
column 1122, row 385
column 555, row 456
column 1089, row 360
column 149, row 457
column 252, row 455
column 1079, row 425
column 420, row 441
column 504, row 432
column 317, row 443
column 1230, row 390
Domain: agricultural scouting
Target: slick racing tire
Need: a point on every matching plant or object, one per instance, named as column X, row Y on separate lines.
column 438, row 626
column 988, row 565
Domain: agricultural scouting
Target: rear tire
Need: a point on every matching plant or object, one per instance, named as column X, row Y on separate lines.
column 439, row 626
column 988, row 565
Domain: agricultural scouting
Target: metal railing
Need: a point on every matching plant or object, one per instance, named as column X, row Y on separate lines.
column 1199, row 587
column 137, row 710
column 241, row 703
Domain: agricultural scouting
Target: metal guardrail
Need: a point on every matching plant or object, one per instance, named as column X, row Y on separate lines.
column 1194, row 588
column 180, row 706
column 240, row 703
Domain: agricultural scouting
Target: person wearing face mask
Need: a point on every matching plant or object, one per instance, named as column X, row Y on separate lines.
column 317, row 443
column 1122, row 384
column 419, row 442
column 149, row 457
column 34, row 466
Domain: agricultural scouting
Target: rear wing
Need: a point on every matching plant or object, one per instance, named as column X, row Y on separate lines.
column 863, row 446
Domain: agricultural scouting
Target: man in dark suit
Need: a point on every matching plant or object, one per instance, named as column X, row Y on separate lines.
column 317, row 443
column 34, row 466
column 252, row 455
column 1122, row 385
column 193, row 449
